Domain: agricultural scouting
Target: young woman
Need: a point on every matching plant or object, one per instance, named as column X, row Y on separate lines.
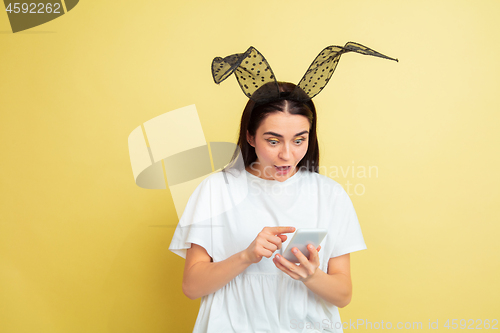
column 237, row 222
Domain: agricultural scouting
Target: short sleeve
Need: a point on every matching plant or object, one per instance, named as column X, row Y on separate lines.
column 195, row 224
column 347, row 235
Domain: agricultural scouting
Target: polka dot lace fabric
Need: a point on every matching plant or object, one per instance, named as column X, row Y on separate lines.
column 257, row 79
column 322, row 68
column 251, row 70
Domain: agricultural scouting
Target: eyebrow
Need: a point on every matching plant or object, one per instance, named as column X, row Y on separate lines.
column 280, row 136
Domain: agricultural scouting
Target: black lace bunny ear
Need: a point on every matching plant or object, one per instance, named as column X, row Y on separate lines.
column 258, row 82
column 252, row 71
column 322, row 68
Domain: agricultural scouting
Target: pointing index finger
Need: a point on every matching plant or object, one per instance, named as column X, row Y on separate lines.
column 281, row 230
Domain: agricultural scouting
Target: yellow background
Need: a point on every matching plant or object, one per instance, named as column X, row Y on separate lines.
column 83, row 249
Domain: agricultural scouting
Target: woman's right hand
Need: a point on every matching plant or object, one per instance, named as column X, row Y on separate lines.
column 266, row 242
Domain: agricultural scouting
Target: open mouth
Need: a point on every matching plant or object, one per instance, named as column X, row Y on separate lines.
column 282, row 170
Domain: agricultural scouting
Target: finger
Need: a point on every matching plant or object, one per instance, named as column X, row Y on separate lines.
column 286, row 263
column 275, row 240
column 279, row 261
column 279, row 230
column 266, row 253
column 282, row 238
column 300, row 256
column 278, row 264
column 319, row 248
column 268, row 245
column 313, row 253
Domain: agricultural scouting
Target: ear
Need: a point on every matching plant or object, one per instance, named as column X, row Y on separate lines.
column 252, row 72
column 321, row 70
column 250, row 139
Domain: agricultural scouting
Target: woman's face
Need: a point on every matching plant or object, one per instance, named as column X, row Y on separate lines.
column 280, row 141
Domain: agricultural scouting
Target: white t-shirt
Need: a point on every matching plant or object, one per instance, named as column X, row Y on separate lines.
column 224, row 215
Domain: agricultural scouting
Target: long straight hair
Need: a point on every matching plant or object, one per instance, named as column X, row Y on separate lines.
column 254, row 114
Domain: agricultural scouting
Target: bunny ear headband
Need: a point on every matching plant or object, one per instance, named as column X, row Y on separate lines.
column 258, row 82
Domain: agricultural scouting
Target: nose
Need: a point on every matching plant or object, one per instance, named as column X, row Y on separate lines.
column 285, row 152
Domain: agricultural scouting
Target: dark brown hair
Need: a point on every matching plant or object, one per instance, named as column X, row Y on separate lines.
column 254, row 114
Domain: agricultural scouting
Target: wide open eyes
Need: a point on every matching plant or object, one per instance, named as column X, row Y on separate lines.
column 275, row 142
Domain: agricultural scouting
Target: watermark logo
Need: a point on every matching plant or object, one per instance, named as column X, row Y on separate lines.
column 26, row 14
column 170, row 150
column 356, row 324
column 355, row 173
column 350, row 177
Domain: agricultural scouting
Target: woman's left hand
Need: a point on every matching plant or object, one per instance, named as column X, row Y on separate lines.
column 305, row 269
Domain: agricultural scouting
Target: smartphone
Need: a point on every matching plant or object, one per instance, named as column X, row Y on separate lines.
column 301, row 239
